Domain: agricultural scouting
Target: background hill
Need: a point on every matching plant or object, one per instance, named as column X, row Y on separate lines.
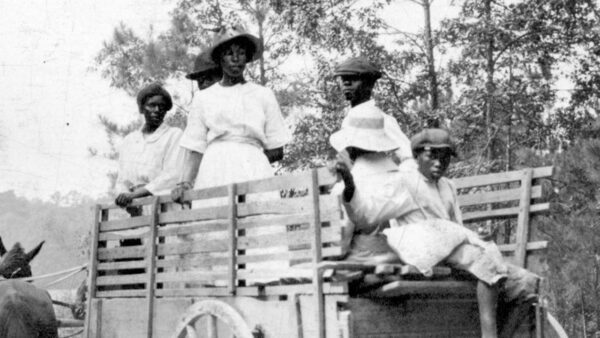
column 63, row 223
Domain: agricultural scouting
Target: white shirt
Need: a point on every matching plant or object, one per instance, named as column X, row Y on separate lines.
column 408, row 197
column 392, row 128
column 246, row 113
column 152, row 160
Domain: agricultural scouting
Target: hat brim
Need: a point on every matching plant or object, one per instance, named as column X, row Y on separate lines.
column 345, row 138
column 375, row 76
column 253, row 40
column 195, row 75
column 438, row 146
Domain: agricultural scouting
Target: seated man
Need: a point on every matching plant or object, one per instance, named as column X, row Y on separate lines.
column 424, row 197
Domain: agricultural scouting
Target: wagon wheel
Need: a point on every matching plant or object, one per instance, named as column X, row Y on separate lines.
column 216, row 311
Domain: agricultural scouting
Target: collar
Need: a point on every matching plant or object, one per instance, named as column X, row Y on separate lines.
column 155, row 136
column 370, row 104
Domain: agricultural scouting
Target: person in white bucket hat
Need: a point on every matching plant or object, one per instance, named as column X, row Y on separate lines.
column 368, row 145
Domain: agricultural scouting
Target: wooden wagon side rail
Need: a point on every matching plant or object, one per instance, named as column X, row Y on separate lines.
column 219, row 249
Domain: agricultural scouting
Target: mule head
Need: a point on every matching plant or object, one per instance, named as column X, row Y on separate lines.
column 15, row 263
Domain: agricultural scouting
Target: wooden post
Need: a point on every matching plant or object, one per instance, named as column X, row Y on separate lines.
column 151, row 264
column 232, row 197
column 316, row 256
column 99, row 216
column 522, row 235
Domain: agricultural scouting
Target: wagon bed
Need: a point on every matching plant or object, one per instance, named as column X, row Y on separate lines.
column 261, row 261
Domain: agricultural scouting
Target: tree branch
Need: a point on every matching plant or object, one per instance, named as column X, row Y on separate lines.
column 510, row 43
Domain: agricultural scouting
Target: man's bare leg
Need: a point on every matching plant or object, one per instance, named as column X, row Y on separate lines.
column 487, row 299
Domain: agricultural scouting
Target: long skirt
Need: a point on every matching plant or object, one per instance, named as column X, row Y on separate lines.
column 226, row 162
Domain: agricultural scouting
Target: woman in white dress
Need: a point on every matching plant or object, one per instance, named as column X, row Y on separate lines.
column 235, row 128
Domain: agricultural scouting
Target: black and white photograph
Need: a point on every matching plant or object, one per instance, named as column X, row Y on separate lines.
column 300, row 168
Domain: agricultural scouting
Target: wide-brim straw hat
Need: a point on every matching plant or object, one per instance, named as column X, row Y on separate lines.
column 228, row 35
column 365, row 130
column 203, row 63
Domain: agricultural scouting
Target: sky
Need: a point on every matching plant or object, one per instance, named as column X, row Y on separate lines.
column 50, row 99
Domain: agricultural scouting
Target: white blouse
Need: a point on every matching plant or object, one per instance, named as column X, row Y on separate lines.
column 408, row 197
column 151, row 160
column 245, row 113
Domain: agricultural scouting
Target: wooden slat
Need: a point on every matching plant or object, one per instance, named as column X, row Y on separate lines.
column 150, row 268
column 294, row 255
column 317, row 256
column 199, row 214
column 121, row 252
column 207, row 245
column 403, row 288
column 191, row 276
column 232, row 227
column 99, row 215
column 474, row 216
column 122, row 265
column 497, row 178
column 273, row 274
column 125, row 224
column 247, row 291
column 496, row 196
column 538, row 245
column 121, row 279
column 190, row 262
column 121, row 293
column 328, row 288
column 283, row 182
column 275, row 206
column 294, row 238
column 287, row 206
column 201, row 292
column 115, row 236
column 522, row 236
column 251, row 222
column 206, row 193
column 193, row 228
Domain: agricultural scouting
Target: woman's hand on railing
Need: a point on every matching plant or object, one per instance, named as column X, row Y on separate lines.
column 179, row 191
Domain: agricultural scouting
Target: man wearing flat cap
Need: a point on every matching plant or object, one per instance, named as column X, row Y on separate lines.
column 357, row 78
column 423, row 209
column 206, row 71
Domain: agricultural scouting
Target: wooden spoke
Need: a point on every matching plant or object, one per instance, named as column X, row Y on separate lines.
column 214, row 311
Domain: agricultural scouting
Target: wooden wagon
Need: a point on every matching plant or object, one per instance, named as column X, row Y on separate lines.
column 260, row 259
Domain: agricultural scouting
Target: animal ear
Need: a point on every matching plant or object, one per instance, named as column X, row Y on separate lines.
column 2, row 248
column 31, row 254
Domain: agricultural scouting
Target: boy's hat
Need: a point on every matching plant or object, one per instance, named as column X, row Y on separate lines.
column 364, row 130
column 432, row 138
column 203, row 63
column 227, row 35
column 358, row 66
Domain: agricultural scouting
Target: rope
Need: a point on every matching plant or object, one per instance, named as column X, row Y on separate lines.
column 31, row 279
column 84, row 267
